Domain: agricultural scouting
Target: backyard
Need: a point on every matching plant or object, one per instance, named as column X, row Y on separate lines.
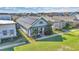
column 70, row 42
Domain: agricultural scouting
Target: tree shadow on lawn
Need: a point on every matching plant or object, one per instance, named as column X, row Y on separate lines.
column 58, row 38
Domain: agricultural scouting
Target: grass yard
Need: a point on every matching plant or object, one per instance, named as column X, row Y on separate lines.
column 39, row 46
column 70, row 42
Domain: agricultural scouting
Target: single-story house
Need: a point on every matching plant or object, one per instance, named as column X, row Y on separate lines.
column 7, row 29
column 34, row 26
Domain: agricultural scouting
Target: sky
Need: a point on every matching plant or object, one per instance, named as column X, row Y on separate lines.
column 37, row 9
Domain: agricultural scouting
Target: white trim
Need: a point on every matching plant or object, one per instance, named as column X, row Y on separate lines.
column 38, row 20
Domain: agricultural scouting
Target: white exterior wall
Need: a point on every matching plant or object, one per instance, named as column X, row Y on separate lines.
column 58, row 25
column 7, row 27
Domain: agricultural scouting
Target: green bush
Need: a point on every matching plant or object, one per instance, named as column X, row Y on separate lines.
column 68, row 26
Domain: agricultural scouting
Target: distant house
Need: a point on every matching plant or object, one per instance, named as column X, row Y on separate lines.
column 65, row 18
column 7, row 29
column 34, row 26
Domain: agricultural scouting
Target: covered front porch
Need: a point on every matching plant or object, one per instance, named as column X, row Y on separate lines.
column 37, row 32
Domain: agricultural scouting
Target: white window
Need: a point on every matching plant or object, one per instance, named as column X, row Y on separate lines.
column 4, row 32
column 11, row 32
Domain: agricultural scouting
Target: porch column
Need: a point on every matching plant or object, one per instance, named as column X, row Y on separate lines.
column 43, row 30
column 29, row 32
column 38, row 30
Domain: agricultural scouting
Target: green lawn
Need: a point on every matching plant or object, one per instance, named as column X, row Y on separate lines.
column 39, row 46
column 70, row 42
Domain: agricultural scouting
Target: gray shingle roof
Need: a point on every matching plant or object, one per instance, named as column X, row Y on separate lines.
column 26, row 21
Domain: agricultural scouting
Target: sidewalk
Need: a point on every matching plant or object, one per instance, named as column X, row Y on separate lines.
column 49, row 36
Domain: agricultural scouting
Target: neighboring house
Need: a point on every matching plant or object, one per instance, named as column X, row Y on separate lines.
column 7, row 29
column 34, row 26
column 58, row 22
column 63, row 20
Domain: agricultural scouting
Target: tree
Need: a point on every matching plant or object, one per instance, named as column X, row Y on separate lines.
column 67, row 26
column 48, row 30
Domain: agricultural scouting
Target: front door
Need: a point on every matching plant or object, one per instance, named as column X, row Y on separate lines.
column 39, row 30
